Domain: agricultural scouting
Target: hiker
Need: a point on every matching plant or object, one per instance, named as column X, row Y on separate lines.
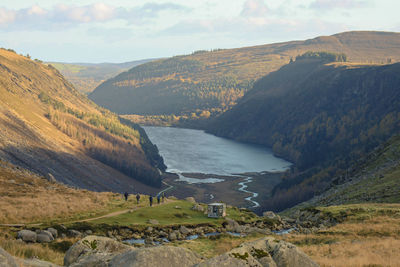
column 158, row 198
column 137, row 198
column 163, row 197
column 151, row 201
column 126, row 195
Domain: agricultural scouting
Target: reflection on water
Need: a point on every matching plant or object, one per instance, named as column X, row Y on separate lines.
column 194, row 151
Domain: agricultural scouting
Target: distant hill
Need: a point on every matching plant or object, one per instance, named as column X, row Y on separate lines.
column 321, row 116
column 48, row 127
column 87, row 76
column 206, row 83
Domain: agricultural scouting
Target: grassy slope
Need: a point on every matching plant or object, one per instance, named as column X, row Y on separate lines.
column 31, row 138
column 173, row 213
column 322, row 117
column 214, row 81
column 86, row 77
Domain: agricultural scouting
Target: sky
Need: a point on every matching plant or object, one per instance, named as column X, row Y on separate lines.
column 125, row 30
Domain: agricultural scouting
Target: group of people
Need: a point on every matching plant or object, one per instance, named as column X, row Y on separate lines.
column 160, row 197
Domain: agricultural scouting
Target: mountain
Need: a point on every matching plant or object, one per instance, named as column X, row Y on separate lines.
column 87, row 76
column 51, row 129
column 207, row 83
column 321, row 116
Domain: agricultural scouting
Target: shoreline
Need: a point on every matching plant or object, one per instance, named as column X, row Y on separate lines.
column 242, row 190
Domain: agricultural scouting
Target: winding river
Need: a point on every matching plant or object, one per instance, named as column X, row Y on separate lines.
column 194, row 151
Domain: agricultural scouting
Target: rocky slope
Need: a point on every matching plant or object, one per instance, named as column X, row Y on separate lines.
column 207, row 83
column 52, row 130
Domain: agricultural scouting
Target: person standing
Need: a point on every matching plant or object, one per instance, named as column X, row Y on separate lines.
column 126, row 195
column 158, row 199
column 137, row 198
column 151, row 201
column 163, row 197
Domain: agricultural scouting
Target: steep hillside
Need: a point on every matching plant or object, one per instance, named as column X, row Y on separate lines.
column 206, row 83
column 321, row 116
column 86, row 76
column 51, row 129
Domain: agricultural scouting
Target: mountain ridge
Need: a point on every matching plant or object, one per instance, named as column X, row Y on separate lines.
column 52, row 129
column 212, row 82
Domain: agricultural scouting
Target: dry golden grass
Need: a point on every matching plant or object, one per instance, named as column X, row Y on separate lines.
column 363, row 240
column 27, row 198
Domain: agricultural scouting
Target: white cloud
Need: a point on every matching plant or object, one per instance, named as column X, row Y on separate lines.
column 7, row 16
column 254, row 8
column 63, row 15
column 339, row 4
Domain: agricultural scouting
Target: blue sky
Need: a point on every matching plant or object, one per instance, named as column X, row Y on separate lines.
column 125, row 30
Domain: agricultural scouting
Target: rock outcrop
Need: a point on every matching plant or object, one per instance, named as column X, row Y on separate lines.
column 106, row 252
column 6, row 260
column 263, row 252
column 96, row 250
column 156, row 256
column 27, row 235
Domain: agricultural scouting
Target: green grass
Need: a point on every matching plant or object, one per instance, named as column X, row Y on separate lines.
column 177, row 212
column 360, row 212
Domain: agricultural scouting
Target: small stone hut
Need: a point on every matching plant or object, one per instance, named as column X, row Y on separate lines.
column 216, row 210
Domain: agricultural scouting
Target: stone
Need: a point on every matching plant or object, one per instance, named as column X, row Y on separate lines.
column 74, row 233
column 88, row 232
column 94, row 260
column 262, row 252
column 153, row 221
column 183, row 230
column 6, row 260
column 198, row 207
column 93, row 245
column 270, row 215
column 172, row 236
column 156, row 256
column 44, row 238
column 233, row 226
column 27, row 235
column 191, row 199
column 53, row 232
column 35, row 263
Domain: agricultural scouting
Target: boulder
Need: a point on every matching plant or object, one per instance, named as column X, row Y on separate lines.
column 262, row 252
column 93, row 245
column 153, row 221
column 94, row 260
column 198, row 207
column 233, row 226
column 270, row 215
column 74, row 233
column 6, row 260
column 44, row 238
column 172, row 236
column 53, row 232
column 27, row 235
column 183, row 230
column 191, row 199
column 156, row 256
column 35, row 263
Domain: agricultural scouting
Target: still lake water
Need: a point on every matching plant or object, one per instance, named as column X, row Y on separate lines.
column 194, row 151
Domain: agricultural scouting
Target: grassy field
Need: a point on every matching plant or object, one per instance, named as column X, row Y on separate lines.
column 174, row 212
column 369, row 236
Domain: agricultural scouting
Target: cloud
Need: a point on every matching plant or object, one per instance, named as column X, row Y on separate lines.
column 339, row 4
column 63, row 15
column 254, row 8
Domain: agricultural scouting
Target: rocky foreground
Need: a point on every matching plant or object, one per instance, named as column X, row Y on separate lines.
column 107, row 252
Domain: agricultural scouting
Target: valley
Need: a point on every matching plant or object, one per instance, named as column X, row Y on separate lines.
column 299, row 140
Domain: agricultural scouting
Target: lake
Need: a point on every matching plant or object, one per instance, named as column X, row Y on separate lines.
column 194, row 151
